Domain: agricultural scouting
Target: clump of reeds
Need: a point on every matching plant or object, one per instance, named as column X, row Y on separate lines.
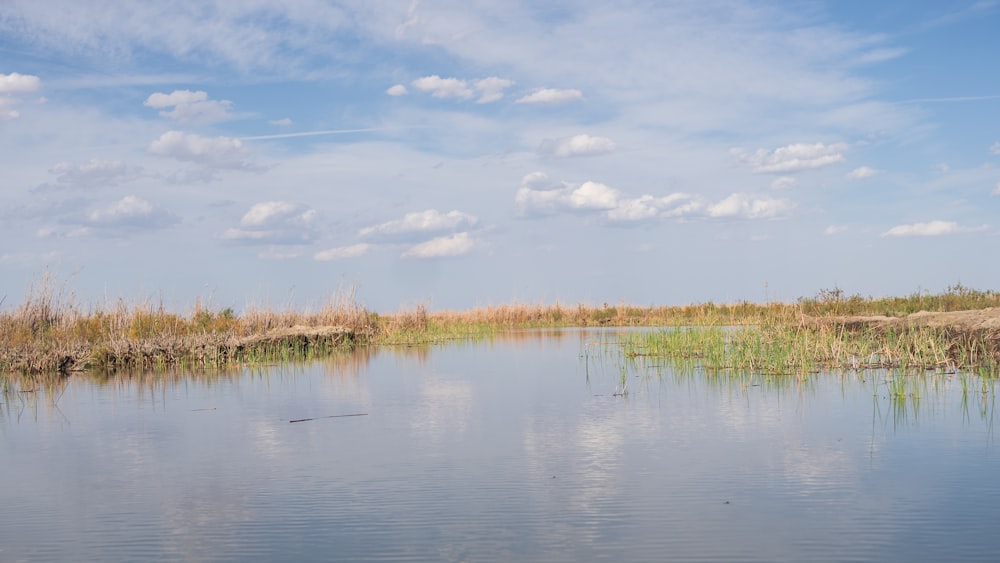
column 49, row 333
column 788, row 348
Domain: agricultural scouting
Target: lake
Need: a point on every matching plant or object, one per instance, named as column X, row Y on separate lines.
column 517, row 448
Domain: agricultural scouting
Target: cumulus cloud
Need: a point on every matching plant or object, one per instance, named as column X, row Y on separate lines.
column 275, row 223
column 491, row 89
column 450, row 245
column 91, row 174
column 10, row 86
column 341, row 252
column 649, row 207
column 784, row 183
column 488, row 89
column 16, row 83
column 799, row 156
column 538, row 196
column 929, row 229
column 427, row 222
column 397, row 90
column 213, row 152
column 127, row 215
column 550, row 96
column 742, row 205
column 577, row 145
column 188, row 105
column 861, row 173
column 443, row 87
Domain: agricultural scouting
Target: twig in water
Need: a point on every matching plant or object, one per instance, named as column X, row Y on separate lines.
column 331, row 416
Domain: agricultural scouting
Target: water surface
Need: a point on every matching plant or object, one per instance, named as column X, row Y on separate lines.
column 515, row 449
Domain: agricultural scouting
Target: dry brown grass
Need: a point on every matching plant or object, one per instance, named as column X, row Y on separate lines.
column 49, row 333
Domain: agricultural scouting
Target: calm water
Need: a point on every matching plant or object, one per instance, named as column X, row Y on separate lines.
column 511, row 450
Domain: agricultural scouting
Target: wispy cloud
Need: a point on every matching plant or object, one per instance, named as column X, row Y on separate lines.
column 128, row 215
column 551, row 96
column 488, row 90
column 861, row 173
column 212, row 152
column 577, row 145
column 420, row 223
column 929, row 229
column 440, row 247
column 834, row 229
column 744, row 206
column 342, row 252
column 188, row 106
column 784, row 183
column 791, row 158
column 91, row 174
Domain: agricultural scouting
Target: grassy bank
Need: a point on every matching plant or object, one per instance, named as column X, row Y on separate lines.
column 50, row 334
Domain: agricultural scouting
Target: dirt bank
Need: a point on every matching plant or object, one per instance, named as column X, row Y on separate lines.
column 977, row 321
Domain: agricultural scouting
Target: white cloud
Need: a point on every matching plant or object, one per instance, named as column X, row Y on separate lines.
column 742, row 205
column 550, row 96
column 11, row 85
column 834, row 229
column 443, row 87
column 537, row 195
column 798, row 156
column 215, row 152
column 276, row 223
column 649, row 207
column 189, row 105
column 279, row 253
column 861, row 173
column 995, row 148
column 397, row 90
column 271, row 212
column 16, row 83
column 784, row 183
column 451, row 245
column 932, row 228
column 996, row 189
column 341, row 252
column 593, row 195
column 129, row 214
column 421, row 222
column 489, row 89
column 90, row 174
column 577, row 145
column 284, row 122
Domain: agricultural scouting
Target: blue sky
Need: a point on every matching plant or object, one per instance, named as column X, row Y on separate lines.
column 457, row 154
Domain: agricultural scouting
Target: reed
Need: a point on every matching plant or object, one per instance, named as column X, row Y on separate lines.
column 50, row 333
column 790, row 349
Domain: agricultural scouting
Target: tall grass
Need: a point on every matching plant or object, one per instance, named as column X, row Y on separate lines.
column 50, row 333
column 781, row 348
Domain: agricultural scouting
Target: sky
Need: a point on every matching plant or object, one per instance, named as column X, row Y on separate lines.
column 455, row 154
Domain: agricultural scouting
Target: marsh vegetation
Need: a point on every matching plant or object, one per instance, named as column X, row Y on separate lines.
column 51, row 335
